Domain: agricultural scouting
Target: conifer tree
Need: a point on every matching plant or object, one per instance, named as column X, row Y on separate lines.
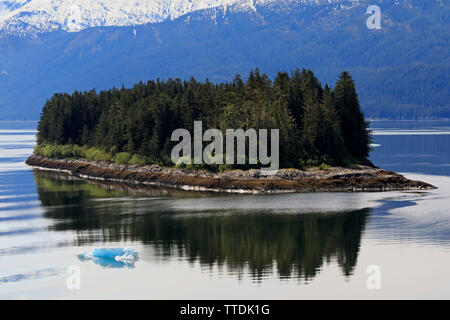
column 353, row 126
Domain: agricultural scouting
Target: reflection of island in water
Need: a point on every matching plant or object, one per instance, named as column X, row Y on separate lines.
column 297, row 245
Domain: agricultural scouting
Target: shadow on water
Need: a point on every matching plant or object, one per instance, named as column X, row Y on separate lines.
column 293, row 245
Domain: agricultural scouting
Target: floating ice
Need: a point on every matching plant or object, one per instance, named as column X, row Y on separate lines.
column 373, row 145
column 111, row 257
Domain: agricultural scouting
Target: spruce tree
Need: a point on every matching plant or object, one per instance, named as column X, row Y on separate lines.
column 353, row 126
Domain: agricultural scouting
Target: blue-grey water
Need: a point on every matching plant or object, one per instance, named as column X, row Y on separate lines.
column 208, row 246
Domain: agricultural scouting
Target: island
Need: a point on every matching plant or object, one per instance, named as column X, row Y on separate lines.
column 126, row 135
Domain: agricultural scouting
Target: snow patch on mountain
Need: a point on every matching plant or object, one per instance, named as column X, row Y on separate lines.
column 76, row 15
column 38, row 16
column 25, row 17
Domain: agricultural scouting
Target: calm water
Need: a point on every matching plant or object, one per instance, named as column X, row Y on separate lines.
column 211, row 246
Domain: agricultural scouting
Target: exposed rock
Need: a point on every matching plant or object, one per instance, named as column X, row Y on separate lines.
column 356, row 178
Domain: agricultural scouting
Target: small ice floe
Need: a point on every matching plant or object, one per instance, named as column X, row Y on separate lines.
column 111, row 257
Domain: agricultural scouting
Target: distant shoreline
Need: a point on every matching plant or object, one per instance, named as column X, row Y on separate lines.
column 359, row 178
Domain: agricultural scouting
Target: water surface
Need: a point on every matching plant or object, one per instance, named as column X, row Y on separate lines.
column 206, row 245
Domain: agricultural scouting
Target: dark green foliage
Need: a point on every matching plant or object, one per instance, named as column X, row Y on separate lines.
column 317, row 125
column 353, row 125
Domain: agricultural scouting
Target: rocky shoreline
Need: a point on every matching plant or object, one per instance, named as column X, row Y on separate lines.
column 336, row 179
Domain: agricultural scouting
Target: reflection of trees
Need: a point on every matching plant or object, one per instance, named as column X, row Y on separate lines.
column 297, row 245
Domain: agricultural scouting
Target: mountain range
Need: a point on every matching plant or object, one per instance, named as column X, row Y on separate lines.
column 401, row 70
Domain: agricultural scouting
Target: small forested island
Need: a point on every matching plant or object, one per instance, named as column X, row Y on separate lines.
column 124, row 135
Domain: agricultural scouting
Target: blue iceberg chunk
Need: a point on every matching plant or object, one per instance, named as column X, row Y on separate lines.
column 114, row 253
column 111, row 257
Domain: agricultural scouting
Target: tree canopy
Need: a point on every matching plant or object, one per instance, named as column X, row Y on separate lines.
column 316, row 124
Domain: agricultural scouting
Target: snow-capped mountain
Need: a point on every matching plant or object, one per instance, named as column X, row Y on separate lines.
column 76, row 15
column 401, row 70
column 37, row 16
